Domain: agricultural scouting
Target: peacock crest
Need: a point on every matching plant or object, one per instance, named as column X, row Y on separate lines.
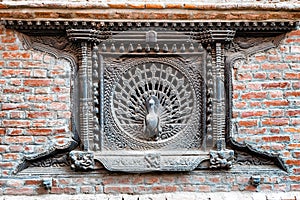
column 153, row 101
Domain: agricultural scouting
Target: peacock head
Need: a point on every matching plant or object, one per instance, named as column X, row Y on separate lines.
column 151, row 102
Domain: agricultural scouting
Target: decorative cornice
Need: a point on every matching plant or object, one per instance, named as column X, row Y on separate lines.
column 197, row 26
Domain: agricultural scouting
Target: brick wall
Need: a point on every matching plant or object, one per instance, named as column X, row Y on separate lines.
column 34, row 101
column 35, row 110
column 266, row 102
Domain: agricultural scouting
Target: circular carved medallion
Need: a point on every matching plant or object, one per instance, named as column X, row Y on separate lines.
column 153, row 101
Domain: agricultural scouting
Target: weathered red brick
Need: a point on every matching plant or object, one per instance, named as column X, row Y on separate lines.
column 254, row 86
column 276, row 138
column 11, row 47
column 275, row 121
column 293, row 112
column 16, row 90
column 37, row 82
column 255, row 104
column 14, row 63
column 293, row 162
column 240, row 105
column 10, row 156
column 3, row 148
column 295, row 187
column 293, row 75
column 118, row 190
column 275, row 75
column 248, row 123
column 16, row 123
column 239, row 87
column 39, row 114
column 189, row 188
column 151, row 180
column 16, row 72
column 16, row 148
column 273, row 147
column 8, row 39
column 14, row 106
column 87, row 189
column 39, row 73
column 56, row 190
column 260, row 58
column 16, row 55
column 6, row 165
column 40, row 131
column 73, row 190
column 292, row 57
column 296, row 85
column 254, row 95
column 253, row 131
column 171, row 188
column 249, row 67
column 260, row 75
column 295, row 121
column 292, row 130
column 15, row 131
column 16, row 82
column 244, row 77
column 246, row 114
column 17, row 114
column 292, row 93
column 276, row 103
column 276, row 94
column 18, row 139
column 281, row 85
column 268, row 66
column 39, row 123
column 276, row 113
column 59, row 106
column 294, row 33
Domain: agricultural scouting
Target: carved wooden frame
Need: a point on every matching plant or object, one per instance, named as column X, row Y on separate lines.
column 217, row 40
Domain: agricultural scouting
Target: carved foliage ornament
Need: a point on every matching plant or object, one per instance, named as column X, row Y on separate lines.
column 151, row 96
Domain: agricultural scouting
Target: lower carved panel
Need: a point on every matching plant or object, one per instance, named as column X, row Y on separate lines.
column 146, row 161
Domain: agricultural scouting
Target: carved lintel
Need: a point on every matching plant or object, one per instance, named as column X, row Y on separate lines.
column 221, row 159
column 82, row 160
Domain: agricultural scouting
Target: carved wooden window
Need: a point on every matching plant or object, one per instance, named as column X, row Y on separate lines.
column 152, row 96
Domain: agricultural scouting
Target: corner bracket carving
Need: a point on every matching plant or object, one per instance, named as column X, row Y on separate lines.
column 221, row 159
column 82, row 160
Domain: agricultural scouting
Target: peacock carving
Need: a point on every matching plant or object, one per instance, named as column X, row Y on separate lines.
column 152, row 128
column 153, row 101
